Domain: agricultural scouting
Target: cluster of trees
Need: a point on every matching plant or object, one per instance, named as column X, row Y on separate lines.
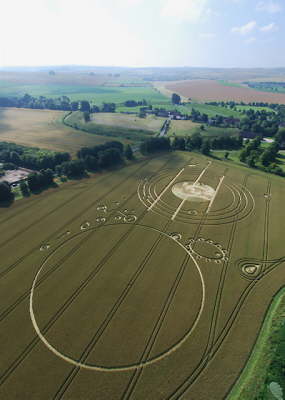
column 133, row 103
column 232, row 104
column 252, row 154
column 195, row 142
column 197, row 116
column 6, row 194
column 175, row 98
column 155, row 144
column 227, row 143
column 39, row 180
column 14, row 155
column 96, row 158
column 260, row 122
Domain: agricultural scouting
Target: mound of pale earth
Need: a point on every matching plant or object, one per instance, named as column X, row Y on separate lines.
column 193, row 192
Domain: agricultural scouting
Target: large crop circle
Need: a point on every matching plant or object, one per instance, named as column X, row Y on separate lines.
column 157, row 297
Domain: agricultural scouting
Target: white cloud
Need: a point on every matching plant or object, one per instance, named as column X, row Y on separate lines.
column 269, row 28
column 129, row 3
column 41, row 37
column 250, row 40
column 189, row 10
column 245, row 29
column 269, row 6
column 207, row 35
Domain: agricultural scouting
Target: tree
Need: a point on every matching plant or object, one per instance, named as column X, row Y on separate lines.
column 74, row 106
column 91, row 163
column 86, row 116
column 176, row 99
column 85, row 106
column 178, row 143
column 5, row 192
column 251, row 159
column 280, row 137
column 155, row 144
column 196, row 140
column 243, row 155
column 227, row 155
column 33, row 181
column 129, row 153
column 73, row 168
column 109, row 157
column 206, row 148
column 24, row 189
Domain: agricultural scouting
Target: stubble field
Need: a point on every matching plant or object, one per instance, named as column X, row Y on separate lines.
column 210, row 90
column 43, row 129
column 115, row 288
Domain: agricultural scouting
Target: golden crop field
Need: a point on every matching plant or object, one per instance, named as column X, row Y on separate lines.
column 211, row 90
column 150, row 282
column 44, row 129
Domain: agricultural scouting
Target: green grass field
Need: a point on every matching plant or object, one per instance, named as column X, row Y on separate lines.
column 113, row 287
column 96, row 94
column 269, row 88
column 43, row 129
column 211, row 111
column 228, row 83
column 187, row 128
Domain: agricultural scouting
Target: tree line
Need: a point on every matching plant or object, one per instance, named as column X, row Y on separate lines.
column 195, row 142
column 96, row 158
column 62, row 103
column 14, row 155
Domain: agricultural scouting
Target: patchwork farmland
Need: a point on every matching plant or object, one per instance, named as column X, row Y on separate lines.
column 150, row 282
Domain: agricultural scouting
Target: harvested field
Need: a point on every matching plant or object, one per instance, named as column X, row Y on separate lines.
column 43, row 129
column 210, row 90
column 127, row 128
column 150, row 123
column 123, row 290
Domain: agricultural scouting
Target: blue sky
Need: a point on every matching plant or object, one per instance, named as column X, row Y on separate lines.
column 206, row 33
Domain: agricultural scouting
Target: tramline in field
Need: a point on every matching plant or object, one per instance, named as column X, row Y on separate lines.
column 140, row 284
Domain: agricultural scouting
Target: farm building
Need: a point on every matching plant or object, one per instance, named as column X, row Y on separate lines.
column 15, row 176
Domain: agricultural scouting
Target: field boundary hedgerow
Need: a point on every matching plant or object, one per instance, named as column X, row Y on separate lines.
column 245, row 386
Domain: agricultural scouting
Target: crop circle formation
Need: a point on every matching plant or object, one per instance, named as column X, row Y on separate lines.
column 239, row 205
column 163, row 239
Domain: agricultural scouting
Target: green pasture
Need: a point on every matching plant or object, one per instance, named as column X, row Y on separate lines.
column 96, row 94
column 231, row 84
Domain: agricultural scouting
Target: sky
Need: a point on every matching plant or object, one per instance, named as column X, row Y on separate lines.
column 142, row 33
